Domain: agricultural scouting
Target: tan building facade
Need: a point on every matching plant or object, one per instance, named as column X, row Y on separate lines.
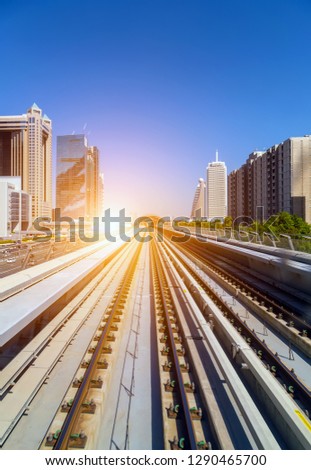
column 273, row 181
column 26, row 151
column 216, row 190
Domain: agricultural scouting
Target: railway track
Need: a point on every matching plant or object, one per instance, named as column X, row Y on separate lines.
column 231, row 419
column 297, row 390
column 243, row 281
column 46, row 329
column 78, row 410
column 23, row 377
column 182, row 413
column 204, row 401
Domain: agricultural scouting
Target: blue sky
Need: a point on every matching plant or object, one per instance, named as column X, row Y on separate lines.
column 160, row 84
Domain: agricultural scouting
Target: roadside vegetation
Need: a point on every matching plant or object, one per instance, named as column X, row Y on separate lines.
column 281, row 230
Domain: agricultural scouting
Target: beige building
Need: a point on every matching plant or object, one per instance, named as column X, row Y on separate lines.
column 198, row 205
column 276, row 180
column 26, row 151
column 216, row 190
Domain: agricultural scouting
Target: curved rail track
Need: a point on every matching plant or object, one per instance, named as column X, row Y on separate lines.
column 236, row 276
column 272, row 362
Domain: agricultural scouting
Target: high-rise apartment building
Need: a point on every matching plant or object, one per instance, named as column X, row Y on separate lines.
column 198, row 205
column 233, row 193
column 216, row 190
column 77, row 180
column 276, row 180
column 26, row 151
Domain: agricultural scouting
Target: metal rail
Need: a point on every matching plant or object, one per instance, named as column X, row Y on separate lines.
column 9, row 381
column 279, row 310
column 161, row 277
column 293, row 386
column 74, row 412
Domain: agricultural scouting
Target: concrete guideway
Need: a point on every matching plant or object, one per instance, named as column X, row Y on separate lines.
column 259, row 430
column 215, row 414
column 280, row 338
column 33, row 349
column 78, row 426
column 46, row 349
column 129, row 421
column 43, row 290
column 280, row 269
column 296, row 430
column 13, row 284
column 142, row 357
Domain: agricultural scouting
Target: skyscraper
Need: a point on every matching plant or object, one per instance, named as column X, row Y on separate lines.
column 198, row 206
column 26, row 151
column 77, row 185
column 273, row 181
column 216, row 190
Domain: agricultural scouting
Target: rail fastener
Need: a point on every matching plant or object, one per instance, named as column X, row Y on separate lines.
column 111, row 337
column 96, row 383
column 169, row 385
column 189, row 387
column 173, row 412
column 184, row 367
column 102, row 364
column 167, row 366
column 88, row 407
column 52, row 438
column 66, row 406
column 196, row 413
column 202, row 445
column 77, row 440
column 107, row 349
column 77, row 382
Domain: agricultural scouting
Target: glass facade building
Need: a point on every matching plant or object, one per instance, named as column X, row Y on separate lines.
column 77, row 175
